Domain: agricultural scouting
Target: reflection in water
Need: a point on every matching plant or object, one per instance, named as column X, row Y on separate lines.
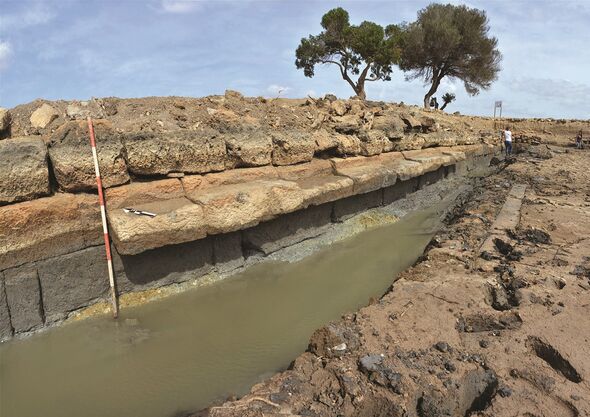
column 185, row 351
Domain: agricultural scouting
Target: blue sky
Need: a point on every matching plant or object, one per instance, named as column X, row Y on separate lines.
column 77, row 49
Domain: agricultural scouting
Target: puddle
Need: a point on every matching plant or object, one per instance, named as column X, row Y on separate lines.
column 183, row 352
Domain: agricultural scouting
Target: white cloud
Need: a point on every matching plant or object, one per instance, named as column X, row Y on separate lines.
column 180, row 6
column 277, row 89
column 37, row 14
column 5, row 53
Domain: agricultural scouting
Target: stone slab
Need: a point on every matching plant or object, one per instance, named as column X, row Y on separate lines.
column 24, row 173
column 72, row 281
column 136, row 193
column 47, row 227
column 288, row 230
column 227, row 252
column 324, row 189
column 367, row 173
column 24, row 299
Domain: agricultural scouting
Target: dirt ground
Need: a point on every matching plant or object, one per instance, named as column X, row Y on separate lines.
column 504, row 333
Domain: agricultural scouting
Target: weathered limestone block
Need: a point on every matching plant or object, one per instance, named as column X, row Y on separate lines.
column 429, row 124
column 412, row 124
column 409, row 142
column 24, row 299
column 348, row 145
column 431, row 159
column 292, row 147
column 23, row 170
column 5, row 325
column 324, row 141
column 404, row 169
column 391, row 125
column 339, row 107
column 440, row 139
column 288, row 230
column 4, row 119
column 177, row 220
column 227, row 251
column 47, row 227
column 348, row 125
column 324, row 189
column 234, row 176
column 71, row 281
column 368, row 173
column 191, row 152
column 372, row 142
column 232, row 207
column 456, row 155
column 71, row 156
column 249, row 149
column 165, row 265
column 130, row 195
column 315, row 168
column 348, row 207
column 43, row 116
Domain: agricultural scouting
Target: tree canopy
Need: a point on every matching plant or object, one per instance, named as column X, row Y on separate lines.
column 367, row 51
column 450, row 41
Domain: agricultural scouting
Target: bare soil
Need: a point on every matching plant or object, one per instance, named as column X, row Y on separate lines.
column 460, row 335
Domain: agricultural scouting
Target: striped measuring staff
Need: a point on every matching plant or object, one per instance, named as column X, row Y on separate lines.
column 103, row 214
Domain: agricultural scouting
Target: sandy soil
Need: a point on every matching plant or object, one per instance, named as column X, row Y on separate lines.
column 505, row 334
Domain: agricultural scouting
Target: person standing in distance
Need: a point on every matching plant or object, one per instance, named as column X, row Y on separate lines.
column 508, row 140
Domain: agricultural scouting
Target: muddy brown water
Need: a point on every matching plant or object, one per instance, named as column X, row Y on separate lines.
column 183, row 352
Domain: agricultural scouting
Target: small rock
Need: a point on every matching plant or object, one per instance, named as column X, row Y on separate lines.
column 76, row 112
column 211, row 111
column 449, row 366
column 43, row 116
column 340, row 348
column 160, row 123
column 339, row 107
column 330, row 97
column 483, row 344
column 504, row 392
column 370, row 363
column 442, row 347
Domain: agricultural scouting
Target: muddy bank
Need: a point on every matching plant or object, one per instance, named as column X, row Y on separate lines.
column 466, row 331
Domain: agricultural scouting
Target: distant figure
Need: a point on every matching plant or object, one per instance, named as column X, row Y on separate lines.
column 434, row 103
column 508, row 140
column 579, row 140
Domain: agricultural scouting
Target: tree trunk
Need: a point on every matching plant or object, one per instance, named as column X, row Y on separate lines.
column 435, row 83
column 444, row 105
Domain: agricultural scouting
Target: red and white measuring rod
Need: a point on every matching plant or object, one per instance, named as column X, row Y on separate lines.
column 103, row 214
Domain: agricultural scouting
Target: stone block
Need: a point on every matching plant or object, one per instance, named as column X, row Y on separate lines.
column 227, row 251
column 408, row 142
column 431, row 177
column 43, row 116
column 288, row 230
column 249, row 149
column 24, row 174
column 315, row 168
column 348, row 207
column 191, row 152
column 130, row 195
column 373, row 142
column 46, row 227
column 72, row 281
column 318, row 190
column 5, row 119
column 404, row 169
column 71, row 156
column 348, row 145
column 166, row 265
column 177, row 220
column 367, row 173
column 24, row 299
column 292, row 147
column 431, row 159
column 5, row 325
column 400, row 190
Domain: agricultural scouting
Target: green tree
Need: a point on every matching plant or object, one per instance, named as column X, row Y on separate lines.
column 447, row 98
column 454, row 42
column 367, row 51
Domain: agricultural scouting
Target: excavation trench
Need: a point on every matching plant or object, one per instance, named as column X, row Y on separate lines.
column 188, row 350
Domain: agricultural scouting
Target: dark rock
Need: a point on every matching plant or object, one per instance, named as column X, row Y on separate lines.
column 370, row 363
column 449, row 366
column 484, row 343
column 24, row 299
column 5, row 325
column 442, row 347
column 504, row 392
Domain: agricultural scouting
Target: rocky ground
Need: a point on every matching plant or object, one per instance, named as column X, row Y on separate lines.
column 504, row 333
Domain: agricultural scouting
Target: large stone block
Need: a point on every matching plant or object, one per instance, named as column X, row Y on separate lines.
column 72, row 281
column 23, row 170
column 431, row 159
column 177, row 220
column 292, row 147
column 232, row 207
column 5, row 325
column 348, row 207
column 373, row 142
column 289, row 229
column 404, row 169
column 24, row 299
column 315, row 168
column 191, row 152
column 43, row 116
column 227, row 251
column 71, row 156
column 130, row 195
column 47, row 227
column 166, row 265
column 322, row 189
column 432, row 177
column 368, row 174
column 249, row 149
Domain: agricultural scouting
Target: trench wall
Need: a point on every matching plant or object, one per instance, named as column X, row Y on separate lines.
column 54, row 263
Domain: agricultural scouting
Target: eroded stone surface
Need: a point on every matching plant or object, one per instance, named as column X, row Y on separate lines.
column 191, row 152
column 136, row 193
column 249, row 149
column 43, row 116
column 24, row 299
column 71, row 156
column 23, row 170
column 292, row 147
column 368, row 174
column 5, row 325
